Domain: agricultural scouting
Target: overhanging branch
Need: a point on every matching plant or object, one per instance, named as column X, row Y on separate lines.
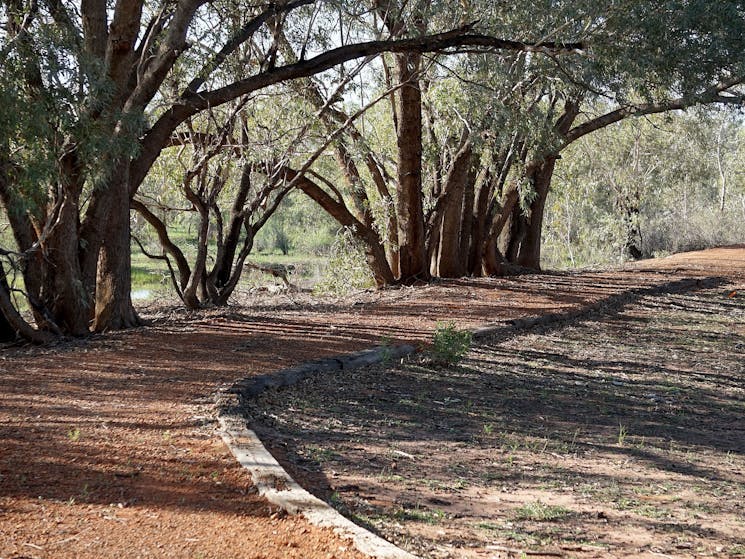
column 712, row 95
column 192, row 103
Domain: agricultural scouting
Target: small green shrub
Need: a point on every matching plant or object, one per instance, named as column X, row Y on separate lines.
column 538, row 511
column 450, row 345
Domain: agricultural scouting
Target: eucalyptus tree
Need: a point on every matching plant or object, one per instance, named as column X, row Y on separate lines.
column 102, row 88
column 641, row 58
column 217, row 182
column 228, row 169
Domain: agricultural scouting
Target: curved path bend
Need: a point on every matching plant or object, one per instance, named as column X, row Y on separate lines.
column 108, row 446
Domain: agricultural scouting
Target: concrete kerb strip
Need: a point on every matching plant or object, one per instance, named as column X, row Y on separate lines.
column 270, row 478
column 276, row 485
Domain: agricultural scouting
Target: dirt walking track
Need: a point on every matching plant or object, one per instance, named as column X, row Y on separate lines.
column 108, row 446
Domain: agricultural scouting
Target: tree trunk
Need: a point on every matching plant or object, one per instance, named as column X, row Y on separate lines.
column 482, row 195
column 492, row 255
column 168, row 246
column 409, row 207
column 526, row 244
column 451, row 261
column 530, row 224
column 467, row 220
column 220, row 296
column 7, row 332
column 223, row 268
column 374, row 250
column 12, row 324
column 632, row 231
column 63, row 290
column 198, row 270
column 521, row 241
column 51, row 271
column 114, row 309
column 25, row 237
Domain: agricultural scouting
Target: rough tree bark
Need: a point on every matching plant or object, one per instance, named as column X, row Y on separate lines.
column 114, row 309
column 63, row 290
column 525, row 248
column 454, row 233
column 409, row 204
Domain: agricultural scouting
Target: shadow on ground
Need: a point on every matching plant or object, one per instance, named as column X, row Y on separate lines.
column 633, row 405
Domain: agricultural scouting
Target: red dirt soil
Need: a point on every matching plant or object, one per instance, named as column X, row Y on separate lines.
column 108, row 445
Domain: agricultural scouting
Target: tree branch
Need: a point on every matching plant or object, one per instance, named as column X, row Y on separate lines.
column 192, row 103
column 167, row 260
column 712, row 95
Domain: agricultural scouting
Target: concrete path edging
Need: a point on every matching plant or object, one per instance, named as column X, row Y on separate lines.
column 270, row 478
column 278, row 487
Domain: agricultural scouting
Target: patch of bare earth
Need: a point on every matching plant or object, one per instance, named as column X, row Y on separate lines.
column 618, row 435
column 108, row 445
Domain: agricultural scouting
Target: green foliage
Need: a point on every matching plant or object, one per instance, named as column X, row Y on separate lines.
column 450, row 345
column 299, row 226
column 347, row 269
column 649, row 48
column 55, row 98
column 622, row 434
column 670, row 183
column 419, row 515
column 58, row 101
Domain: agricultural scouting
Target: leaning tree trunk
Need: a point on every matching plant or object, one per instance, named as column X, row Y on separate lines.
column 374, row 249
column 7, row 332
column 168, row 246
column 525, row 249
column 26, row 238
column 409, row 206
column 530, row 224
column 12, row 324
column 51, row 243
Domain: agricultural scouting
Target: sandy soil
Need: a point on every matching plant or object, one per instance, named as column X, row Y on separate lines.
column 107, row 445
